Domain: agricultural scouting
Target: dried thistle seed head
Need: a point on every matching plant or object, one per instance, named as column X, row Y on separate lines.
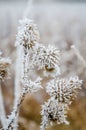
column 4, row 68
column 65, row 90
column 28, row 34
column 53, row 111
column 47, row 58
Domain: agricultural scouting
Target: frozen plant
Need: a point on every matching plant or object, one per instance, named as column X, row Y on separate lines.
column 14, row 114
column 27, row 38
column 32, row 55
column 62, row 93
column 53, row 111
column 64, row 90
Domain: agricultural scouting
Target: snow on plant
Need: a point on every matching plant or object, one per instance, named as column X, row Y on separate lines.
column 33, row 55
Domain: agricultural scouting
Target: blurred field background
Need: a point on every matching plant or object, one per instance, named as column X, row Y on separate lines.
column 62, row 24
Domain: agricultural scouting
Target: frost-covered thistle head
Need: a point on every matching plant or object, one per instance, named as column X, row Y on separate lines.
column 65, row 90
column 53, row 111
column 47, row 58
column 4, row 68
column 28, row 34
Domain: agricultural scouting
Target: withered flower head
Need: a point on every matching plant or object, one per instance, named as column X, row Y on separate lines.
column 53, row 112
column 65, row 90
column 47, row 58
column 28, row 34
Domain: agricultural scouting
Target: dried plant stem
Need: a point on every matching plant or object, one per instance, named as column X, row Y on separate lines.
column 16, row 109
column 2, row 109
column 17, row 76
column 17, row 80
column 19, row 64
column 80, row 57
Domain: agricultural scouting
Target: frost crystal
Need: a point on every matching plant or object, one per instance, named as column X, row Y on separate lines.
column 53, row 111
column 4, row 68
column 65, row 90
column 28, row 34
column 47, row 58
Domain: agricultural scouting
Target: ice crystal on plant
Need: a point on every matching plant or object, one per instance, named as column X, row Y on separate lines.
column 29, row 86
column 53, row 111
column 65, row 90
column 10, row 120
column 32, row 86
column 25, row 65
column 28, row 34
column 47, row 58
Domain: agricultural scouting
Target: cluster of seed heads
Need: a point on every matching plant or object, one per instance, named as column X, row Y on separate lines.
column 61, row 91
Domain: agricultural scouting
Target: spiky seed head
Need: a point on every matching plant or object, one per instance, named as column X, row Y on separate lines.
column 47, row 58
column 53, row 111
column 28, row 34
column 65, row 90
